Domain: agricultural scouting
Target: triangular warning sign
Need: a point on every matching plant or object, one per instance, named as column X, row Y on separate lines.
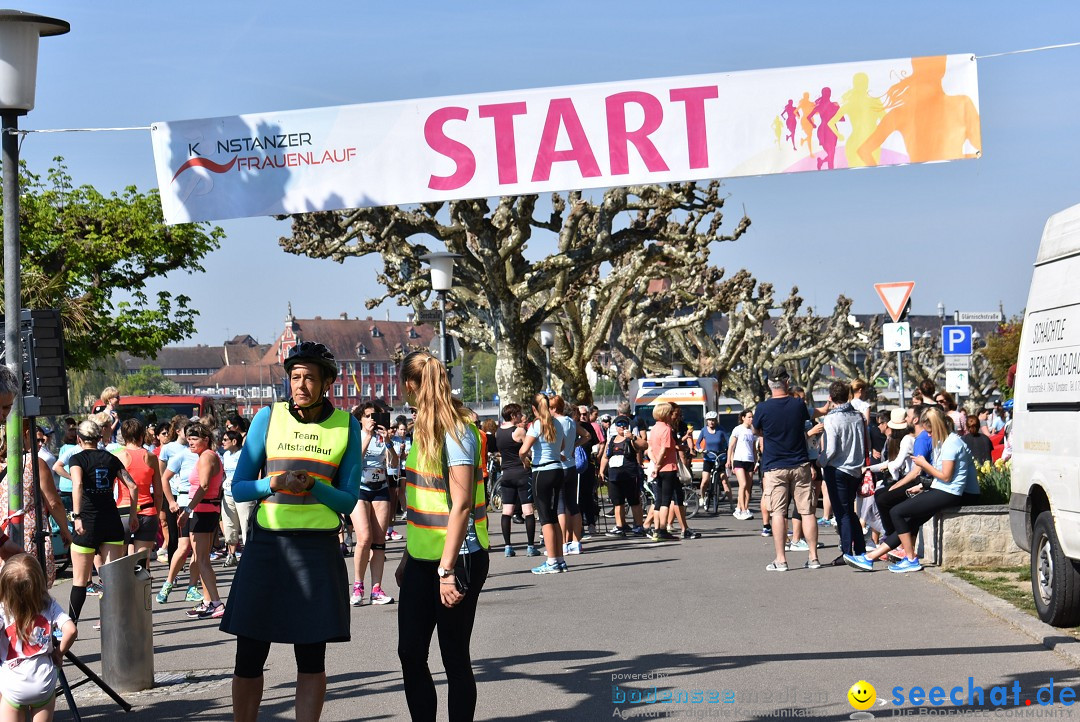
column 895, row 296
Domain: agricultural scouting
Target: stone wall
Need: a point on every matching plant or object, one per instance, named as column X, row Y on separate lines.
column 972, row 536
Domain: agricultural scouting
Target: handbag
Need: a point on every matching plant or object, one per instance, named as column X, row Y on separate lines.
column 685, row 477
column 868, row 485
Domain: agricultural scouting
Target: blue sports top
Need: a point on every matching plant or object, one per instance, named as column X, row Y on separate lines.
column 546, row 454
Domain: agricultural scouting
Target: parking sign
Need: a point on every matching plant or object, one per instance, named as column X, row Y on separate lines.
column 956, row 340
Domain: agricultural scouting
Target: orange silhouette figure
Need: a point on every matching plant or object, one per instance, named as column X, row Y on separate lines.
column 806, row 107
column 863, row 111
column 934, row 125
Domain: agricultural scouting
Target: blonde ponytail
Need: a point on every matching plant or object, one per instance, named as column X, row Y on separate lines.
column 437, row 411
column 547, row 421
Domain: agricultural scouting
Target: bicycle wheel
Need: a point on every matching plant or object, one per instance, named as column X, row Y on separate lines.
column 691, row 500
column 495, row 498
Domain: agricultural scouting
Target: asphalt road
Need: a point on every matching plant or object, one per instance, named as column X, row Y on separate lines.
column 699, row 617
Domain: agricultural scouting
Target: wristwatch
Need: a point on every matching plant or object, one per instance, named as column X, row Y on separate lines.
column 444, row 573
column 76, row 516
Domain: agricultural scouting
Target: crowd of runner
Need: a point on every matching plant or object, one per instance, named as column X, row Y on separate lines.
column 545, row 461
column 168, row 489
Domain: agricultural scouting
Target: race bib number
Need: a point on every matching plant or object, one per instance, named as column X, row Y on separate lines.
column 374, row 477
column 616, row 461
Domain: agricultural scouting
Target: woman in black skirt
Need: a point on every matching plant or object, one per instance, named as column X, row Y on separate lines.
column 311, row 452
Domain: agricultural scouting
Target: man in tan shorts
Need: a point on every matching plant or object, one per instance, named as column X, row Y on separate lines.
column 780, row 421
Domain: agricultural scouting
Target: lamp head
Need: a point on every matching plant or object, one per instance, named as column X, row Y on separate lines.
column 442, row 269
column 19, row 34
column 547, row 335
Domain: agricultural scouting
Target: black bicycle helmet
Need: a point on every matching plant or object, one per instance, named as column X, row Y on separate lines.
column 311, row 352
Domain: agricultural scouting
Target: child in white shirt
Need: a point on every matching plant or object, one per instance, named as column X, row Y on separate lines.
column 29, row 655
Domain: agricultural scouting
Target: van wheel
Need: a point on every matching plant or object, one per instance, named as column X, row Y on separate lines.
column 1055, row 580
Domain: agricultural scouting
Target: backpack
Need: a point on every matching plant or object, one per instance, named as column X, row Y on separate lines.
column 581, row 458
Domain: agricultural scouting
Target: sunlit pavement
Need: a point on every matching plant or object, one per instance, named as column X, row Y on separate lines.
column 699, row 620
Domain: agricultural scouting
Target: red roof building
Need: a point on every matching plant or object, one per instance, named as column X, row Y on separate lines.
column 367, row 352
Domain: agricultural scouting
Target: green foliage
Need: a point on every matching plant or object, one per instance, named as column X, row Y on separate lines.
column 146, row 381
column 479, row 376
column 606, row 387
column 1002, row 348
column 79, row 247
column 85, row 385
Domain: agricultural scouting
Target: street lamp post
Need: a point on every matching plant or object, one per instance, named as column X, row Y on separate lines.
column 547, row 340
column 19, row 36
column 442, row 280
column 476, row 385
column 247, row 391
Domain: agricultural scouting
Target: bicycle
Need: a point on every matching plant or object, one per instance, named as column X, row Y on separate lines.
column 494, row 490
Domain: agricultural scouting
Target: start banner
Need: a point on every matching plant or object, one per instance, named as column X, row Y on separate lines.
column 756, row 122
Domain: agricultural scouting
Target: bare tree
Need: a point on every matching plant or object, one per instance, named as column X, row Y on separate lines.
column 753, row 334
column 502, row 295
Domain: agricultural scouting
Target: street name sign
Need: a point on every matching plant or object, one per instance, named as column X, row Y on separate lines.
column 428, row 315
column 979, row 316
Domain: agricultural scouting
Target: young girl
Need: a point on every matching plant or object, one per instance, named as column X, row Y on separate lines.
column 29, row 653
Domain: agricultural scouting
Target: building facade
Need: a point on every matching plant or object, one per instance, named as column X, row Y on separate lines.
column 367, row 351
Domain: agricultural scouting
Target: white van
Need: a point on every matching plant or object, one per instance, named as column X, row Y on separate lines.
column 1044, row 511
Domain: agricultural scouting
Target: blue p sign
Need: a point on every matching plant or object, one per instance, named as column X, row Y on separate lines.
column 956, row 340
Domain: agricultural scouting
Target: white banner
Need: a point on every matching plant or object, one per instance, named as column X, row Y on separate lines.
column 757, row 122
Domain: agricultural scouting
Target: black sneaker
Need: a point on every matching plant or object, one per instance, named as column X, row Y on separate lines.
column 665, row 536
column 691, row 534
column 518, row 519
column 616, row 532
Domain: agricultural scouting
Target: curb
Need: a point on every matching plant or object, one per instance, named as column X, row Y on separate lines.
column 1050, row 637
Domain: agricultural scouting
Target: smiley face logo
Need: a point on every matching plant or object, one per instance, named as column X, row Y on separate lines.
column 862, row 695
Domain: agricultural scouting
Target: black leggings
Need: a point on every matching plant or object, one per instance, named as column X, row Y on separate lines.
column 251, row 655
column 420, row 612
column 586, row 485
column 886, row 500
column 547, row 485
column 670, row 489
column 909, row 516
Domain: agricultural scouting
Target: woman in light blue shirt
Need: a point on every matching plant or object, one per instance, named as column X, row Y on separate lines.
column 569, row 506
column 545, row 440
column 955, row 484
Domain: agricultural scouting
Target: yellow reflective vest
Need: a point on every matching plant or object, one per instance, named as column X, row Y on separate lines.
column 314, row 448
column 428, row 501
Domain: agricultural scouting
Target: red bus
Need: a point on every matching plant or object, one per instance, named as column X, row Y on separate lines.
column 160, row 408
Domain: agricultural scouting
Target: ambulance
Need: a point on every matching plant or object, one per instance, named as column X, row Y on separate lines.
column 695, row 396
column 1044, row 509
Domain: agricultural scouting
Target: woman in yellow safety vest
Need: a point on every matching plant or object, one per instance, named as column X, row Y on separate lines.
column 446, row 561
column 311, row 453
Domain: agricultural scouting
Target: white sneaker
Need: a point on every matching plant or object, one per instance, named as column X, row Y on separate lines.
column 573, row 548
column 566, row 548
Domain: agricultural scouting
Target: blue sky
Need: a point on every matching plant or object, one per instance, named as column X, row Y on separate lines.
column 965, row 232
